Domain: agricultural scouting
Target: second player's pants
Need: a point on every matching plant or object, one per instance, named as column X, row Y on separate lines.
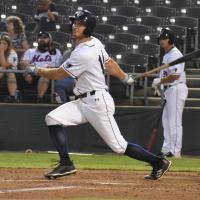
column 98, row 110
column 172, row 118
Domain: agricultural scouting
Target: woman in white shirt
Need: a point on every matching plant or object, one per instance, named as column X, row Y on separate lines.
column 8, row 60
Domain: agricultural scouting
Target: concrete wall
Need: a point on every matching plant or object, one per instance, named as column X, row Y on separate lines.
column 22, row 127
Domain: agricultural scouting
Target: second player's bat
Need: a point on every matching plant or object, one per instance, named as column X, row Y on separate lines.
column 154, row 132
column 184, row 58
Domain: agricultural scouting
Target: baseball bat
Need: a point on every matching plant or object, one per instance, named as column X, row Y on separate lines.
column 184, row 58
column 154, row 132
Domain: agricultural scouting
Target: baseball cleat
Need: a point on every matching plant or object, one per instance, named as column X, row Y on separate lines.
column 159, row 170
column 61, row 170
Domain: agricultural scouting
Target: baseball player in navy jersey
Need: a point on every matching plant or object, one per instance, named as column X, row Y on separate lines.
column 175, row 92
column 94, row 104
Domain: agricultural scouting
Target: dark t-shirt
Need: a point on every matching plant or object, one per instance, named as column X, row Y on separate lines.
column 44, row 23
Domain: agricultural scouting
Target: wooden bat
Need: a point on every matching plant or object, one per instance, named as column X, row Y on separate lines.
column 154, row 132
column 184, row 58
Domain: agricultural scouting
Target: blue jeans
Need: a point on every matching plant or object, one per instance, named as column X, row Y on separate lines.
column 64, row 88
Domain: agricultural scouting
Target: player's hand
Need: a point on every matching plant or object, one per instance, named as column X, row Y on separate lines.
column 156, row 82
column 128, row 79
column 31, row 69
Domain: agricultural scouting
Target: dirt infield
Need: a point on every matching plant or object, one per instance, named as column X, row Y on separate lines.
column 100, row 184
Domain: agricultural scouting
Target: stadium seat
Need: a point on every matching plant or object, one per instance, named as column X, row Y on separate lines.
column 142, row 3
column 152, row 21
column 60, row 37
column 3, row 27
column 31, row 26
column 147, row 49
column 116, row 20
column 158, row 11
column 195, row 3
column 188, row 12
column 114, row 48
column 65, row 28
column 96, row 10
column 188, row 22
column 149, row 38
column 111, row 3
column 64, row 10
column 105, row 29
column 81, row 2
column 128, row 11
column 136, row 29
column 27, row 9
column 125, row 38
column 176, row 3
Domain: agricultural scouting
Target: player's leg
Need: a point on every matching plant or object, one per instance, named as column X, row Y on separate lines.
column 165, row 122
column 42, row 88
column 179, row 94
column 12, row 86
column 65, row 115
column 100, row 115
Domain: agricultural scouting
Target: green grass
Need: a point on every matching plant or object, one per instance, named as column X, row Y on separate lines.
column 106, row 161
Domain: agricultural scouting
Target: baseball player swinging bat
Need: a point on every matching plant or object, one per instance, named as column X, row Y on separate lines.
column 185, row 58
column 154, row 131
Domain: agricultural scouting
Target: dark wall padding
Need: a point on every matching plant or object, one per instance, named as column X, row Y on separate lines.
column 22, row 127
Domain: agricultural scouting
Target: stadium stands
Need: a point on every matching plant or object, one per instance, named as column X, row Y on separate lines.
column 121, row 24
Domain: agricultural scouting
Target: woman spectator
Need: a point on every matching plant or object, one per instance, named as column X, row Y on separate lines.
column 8, row 60
column 16, row 32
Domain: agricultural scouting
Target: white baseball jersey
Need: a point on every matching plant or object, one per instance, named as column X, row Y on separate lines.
column 86, row 65
column 88, row 58
column 42, row 59
column 178, row 69
column 175, row 96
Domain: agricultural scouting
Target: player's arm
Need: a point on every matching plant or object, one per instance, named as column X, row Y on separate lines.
column 52, row 73
column 114, row 69
column 169, row 79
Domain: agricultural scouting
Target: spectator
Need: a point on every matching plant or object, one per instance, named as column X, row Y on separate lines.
column 46, row 15
column 16, row 32
column 64, row 87
column 45, row 55
column 8, row 60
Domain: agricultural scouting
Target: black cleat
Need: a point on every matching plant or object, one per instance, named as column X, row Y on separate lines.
column 168, row 154
column 61, row 170
column 159, row 170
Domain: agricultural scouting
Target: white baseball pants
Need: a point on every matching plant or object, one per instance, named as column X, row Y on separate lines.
column 172, row 118
column 98, row 110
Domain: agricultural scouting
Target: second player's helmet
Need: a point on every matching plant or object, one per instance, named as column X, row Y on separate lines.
column 167, row 33
column 87, row 18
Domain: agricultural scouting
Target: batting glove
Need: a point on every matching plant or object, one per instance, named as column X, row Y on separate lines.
column 31, row 69
column 128, row 79
column 156, row 82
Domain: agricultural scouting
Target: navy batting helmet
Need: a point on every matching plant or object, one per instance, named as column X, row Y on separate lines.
column 167, row 33
column 87, row 18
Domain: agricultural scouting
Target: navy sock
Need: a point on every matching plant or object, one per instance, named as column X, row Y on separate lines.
column 139, row 153
column 59, row 137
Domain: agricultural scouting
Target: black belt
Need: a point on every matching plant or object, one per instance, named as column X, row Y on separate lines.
column 80, row 96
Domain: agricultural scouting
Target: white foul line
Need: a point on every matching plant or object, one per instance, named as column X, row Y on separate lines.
column 41, row 189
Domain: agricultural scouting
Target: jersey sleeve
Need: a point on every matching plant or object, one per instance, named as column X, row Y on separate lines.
column 13, row 59
column 76, row 64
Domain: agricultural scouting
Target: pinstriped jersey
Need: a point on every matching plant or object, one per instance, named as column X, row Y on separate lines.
column 86, row 66
column 178, row 69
